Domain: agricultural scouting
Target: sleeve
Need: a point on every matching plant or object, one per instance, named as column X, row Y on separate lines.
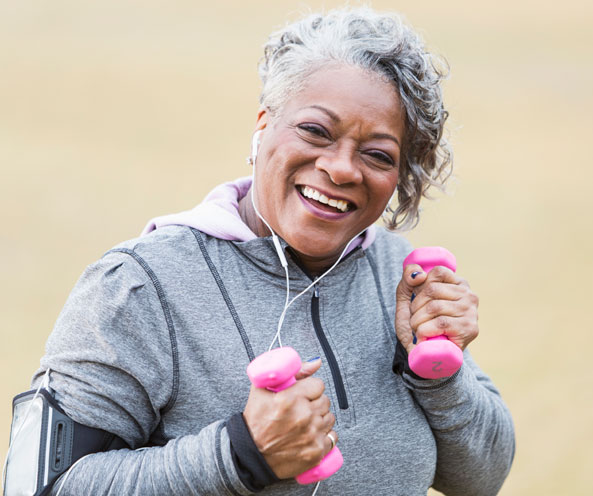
column 111, row 361
column 472, row 427
column 251, row 465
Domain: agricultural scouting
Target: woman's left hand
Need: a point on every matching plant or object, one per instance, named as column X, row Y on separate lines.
column 433, row 304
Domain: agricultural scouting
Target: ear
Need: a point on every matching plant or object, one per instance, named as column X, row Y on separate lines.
column 262, row 118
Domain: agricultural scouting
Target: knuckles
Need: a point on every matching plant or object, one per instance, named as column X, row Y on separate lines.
column 442, row 323
column 430, row 290
column 314, row 454
column 439, row 273
column 315, row 385
column 304, row 419
column 434, row 308
column 331, row 420
column 313, row 446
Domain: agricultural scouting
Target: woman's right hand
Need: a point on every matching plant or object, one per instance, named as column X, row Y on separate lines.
column 290, row 427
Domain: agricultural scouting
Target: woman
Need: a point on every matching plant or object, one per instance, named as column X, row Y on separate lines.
column 153, row 342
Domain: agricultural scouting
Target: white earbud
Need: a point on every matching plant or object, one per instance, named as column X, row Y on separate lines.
column 255, row 145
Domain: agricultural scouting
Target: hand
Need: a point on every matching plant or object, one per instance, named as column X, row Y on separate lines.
column 443, row 304
column 290, row 427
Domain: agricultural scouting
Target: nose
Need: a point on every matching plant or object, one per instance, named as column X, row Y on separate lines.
column 340, row 166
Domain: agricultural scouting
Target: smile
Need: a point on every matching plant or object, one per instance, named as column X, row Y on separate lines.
column 313, row 194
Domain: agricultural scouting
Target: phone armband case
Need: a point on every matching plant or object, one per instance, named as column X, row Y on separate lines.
column 41, row 438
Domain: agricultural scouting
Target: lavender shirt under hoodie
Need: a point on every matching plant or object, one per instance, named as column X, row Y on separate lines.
column 218, row 216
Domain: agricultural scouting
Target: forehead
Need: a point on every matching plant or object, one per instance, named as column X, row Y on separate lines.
column 350, row 93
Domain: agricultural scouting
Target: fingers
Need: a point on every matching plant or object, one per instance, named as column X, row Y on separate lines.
column 440, row 284
column 309, row 387
column 405, row 289
column 320, row 443
column 290, row 427
column 444, row 299
column 321, row 405
column 412, row 277
column 330, row 441
column 428, row 305
column 329, row 420
column 308, row 368
column 433, row 291
column 445, row 304
column 460, row 330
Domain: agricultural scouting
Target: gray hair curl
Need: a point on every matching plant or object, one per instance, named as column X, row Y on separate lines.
column 383, row 44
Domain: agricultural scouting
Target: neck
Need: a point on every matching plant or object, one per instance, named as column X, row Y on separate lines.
column 250, row 217
column 311, row 265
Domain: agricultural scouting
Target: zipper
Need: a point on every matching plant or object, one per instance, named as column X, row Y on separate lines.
column 329, row 354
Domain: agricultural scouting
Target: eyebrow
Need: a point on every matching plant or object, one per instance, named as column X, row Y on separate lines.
column 333, row 116
column 386, row 136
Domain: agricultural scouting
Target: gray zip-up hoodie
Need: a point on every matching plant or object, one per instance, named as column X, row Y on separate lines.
column 153, row 343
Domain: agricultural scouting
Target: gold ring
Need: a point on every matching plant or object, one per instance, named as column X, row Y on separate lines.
column 332, row 439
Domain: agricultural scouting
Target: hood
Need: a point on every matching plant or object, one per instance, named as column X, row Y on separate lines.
column 218, row 216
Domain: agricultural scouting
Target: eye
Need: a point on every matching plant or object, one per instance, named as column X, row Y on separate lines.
column 314, row 130
column 381, row 157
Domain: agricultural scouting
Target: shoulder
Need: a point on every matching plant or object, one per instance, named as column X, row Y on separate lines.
column 133, row 267
column 166, row 251
column 165, row 242
column 389, row 247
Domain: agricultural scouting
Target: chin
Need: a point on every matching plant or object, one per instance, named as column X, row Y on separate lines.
column 318, row 249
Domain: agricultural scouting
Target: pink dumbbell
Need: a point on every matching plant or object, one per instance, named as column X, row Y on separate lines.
column 275, row 370
column 435, row 357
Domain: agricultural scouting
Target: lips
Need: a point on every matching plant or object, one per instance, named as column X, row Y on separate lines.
column 321, row 200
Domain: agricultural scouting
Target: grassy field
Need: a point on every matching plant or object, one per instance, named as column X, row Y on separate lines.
column 114, row 112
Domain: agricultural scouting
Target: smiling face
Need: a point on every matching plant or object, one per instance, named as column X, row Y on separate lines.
column 327, row 163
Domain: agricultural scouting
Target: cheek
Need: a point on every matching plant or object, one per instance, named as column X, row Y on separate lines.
column 382, row 190
column 272, row 177
column 280, row 166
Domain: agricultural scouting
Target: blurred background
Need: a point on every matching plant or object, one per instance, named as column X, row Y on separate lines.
column 113, row 112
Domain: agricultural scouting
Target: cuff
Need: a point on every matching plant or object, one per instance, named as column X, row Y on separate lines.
column 251, row 466
column 400, row 363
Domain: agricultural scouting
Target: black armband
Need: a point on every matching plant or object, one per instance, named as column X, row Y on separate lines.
column 45, row 442
column 400, row 362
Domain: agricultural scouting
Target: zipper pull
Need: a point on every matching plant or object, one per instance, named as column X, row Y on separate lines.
column 316, row 292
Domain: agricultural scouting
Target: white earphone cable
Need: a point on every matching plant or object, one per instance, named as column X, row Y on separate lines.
column 281, row 256
column 286, row 306
column 316, row 487
column 279, row 251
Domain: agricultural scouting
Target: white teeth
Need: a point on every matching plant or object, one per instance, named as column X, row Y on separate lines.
column 316, row 195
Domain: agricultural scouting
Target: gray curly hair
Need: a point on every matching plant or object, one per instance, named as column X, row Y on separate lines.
column 383, row 44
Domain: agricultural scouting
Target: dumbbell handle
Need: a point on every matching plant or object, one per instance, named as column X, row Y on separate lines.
column 275, row 370
column 435, row 357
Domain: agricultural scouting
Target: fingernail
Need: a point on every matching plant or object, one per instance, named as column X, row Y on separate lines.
column 415, row 340
column 414, row 274
column 413, row 296
column 313, row 359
